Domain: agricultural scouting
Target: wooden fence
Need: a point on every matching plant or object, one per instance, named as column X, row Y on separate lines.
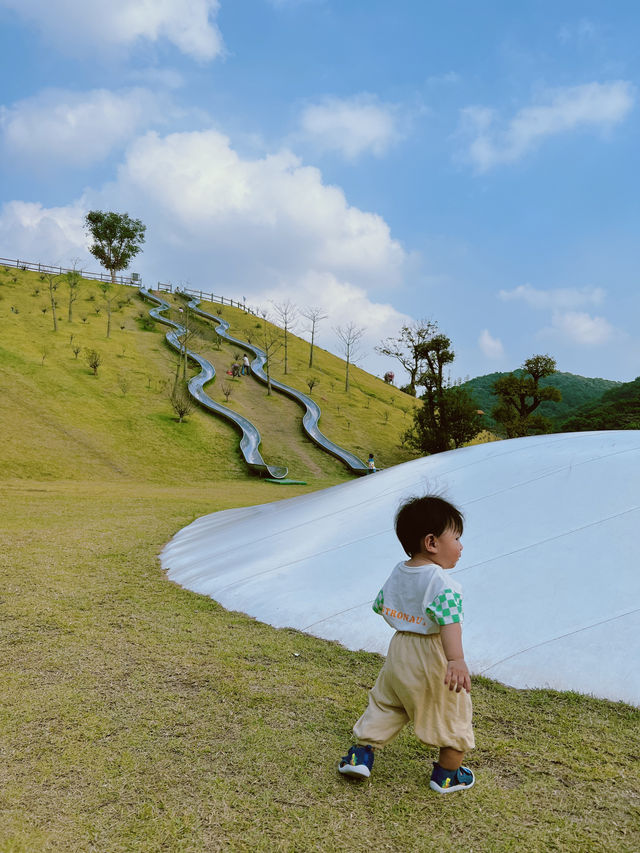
column 205, row 297
column 132, row 280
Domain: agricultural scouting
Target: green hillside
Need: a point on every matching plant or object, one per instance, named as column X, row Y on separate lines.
column 618, row 408
column 576, row 391
column 370, row 417
column 58, row 418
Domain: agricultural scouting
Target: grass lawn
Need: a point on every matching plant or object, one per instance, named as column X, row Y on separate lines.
column 137, row 716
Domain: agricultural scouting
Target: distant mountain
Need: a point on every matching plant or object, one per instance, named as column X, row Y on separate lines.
column 618, row 408
column 577, row 391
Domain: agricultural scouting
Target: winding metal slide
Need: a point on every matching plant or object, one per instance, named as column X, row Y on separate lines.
column 250, row 440
column 312, row 410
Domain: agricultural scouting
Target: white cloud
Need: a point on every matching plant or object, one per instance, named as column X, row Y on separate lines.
column 51, row 235
column 561, row 298
column 491, row 347
column 351, row 126
column 265, row 228
column 70, row 128
column 99, row 24
column 593, row 105
column 582, row 328
column 274, row 206
column 342, row 302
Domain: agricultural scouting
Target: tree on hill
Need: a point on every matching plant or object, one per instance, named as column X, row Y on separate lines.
column 187, row 334
column 314, row 315
column 108, row 297
column 73, row 278
column 287, row 314
column 117, row 239
column 618, row 408
column 181, row 401
column 456, row 421
column 449, row 416
column 271, row 344
column 519, row 395
column 52, row 281
column 577, row 392
column 349, row 337
column 408, row 349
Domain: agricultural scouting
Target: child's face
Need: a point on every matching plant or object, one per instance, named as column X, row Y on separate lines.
column 448, row 549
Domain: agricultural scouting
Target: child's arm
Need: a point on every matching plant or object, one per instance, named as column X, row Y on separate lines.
column 457, row 676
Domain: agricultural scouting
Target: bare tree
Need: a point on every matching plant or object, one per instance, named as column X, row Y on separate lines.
column 181, row 401
column 287, row 315
column 73, row 278
column 349, row 336
column 93, row 359
column 314, row 315
column 109, row 298
column 44, row 352
column 227, row 390
column 75, row 349
column 52, row 281
column 271, row 344
column 185, row 338
column 312, row 381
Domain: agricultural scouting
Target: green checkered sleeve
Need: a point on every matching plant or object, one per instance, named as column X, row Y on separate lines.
column 378, row 604
column 446, row 608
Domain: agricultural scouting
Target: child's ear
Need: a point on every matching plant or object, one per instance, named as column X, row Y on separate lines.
column 430, row 543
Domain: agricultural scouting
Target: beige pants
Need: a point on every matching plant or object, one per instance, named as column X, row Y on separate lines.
column 411, row 687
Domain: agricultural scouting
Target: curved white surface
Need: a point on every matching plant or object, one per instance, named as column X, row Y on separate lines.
column 549, row 568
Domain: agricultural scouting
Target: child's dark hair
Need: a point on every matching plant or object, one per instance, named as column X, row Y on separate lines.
column 418, row 517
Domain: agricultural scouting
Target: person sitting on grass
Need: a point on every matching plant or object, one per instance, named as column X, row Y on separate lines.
column 424, row 678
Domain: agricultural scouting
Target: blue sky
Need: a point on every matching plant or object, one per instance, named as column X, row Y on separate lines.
column 472, row 163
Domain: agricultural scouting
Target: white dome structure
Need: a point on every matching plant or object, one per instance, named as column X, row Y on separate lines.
column 549, row 568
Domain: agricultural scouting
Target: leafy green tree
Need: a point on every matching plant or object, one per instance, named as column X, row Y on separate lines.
column 456, row 421
column 618, row 408
column 449, row 416
column 519, row 396
column 117, row 239
column 408, row 349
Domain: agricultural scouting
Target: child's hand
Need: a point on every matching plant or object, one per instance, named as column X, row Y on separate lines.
column 457, row 676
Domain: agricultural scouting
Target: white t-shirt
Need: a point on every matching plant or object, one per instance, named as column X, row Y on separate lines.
column 420, row 599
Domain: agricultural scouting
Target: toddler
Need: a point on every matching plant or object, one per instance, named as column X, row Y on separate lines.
column 424, row 678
